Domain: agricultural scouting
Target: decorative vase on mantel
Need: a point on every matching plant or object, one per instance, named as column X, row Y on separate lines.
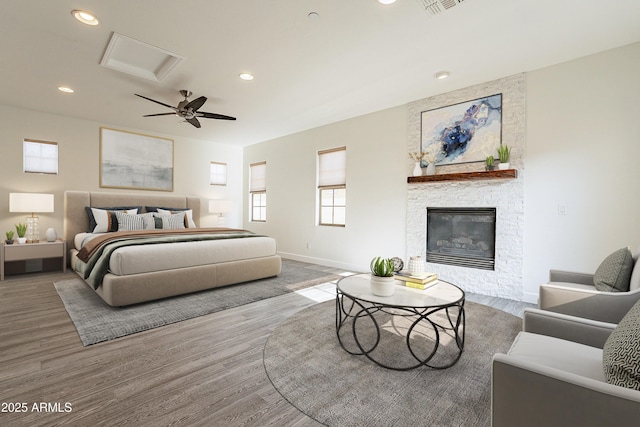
column 417, row 170
column 431, row 169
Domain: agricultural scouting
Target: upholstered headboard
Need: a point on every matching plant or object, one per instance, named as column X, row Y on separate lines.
column 76, row 219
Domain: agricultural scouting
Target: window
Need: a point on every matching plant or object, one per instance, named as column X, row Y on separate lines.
column 332, row 186
column 40, row 157
column 258, row 191
column 218, row 173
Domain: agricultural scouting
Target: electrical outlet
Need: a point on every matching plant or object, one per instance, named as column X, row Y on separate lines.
column 308, row 245
column 562, row 209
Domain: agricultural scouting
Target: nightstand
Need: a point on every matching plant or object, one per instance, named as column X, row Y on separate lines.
column 40, row 250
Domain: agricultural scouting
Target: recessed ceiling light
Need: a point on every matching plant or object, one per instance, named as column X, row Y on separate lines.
column 313, row 16
column 440, row 75
column 85, row 17
column 386, row 1
column 246, row 76
column 65, row 89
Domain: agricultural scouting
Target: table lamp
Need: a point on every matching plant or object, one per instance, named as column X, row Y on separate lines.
column 220, row 207
column 31, row 202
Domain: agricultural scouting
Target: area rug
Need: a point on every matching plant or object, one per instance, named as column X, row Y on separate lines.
column 96, row 321
column 309, row 368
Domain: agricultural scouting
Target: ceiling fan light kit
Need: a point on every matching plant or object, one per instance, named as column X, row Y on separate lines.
column 188, row 110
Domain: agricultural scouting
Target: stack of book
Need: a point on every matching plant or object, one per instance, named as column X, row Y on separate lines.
column 421, row 281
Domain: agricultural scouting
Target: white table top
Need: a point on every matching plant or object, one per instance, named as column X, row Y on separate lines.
column 441, row 294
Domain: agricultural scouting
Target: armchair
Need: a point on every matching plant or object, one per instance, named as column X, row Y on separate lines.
column 575, row 294
column 553, row 376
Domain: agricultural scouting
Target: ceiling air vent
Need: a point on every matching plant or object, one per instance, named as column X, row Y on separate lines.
column 434, row 7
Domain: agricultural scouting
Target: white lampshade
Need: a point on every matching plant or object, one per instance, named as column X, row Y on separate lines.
column 30, row 202
column 220, row 206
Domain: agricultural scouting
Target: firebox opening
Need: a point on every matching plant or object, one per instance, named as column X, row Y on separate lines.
column 462, row 236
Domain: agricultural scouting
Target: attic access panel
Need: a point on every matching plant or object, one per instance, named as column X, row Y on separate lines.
column 137, row 58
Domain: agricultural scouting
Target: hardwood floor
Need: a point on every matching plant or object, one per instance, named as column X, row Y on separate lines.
column 204, row 371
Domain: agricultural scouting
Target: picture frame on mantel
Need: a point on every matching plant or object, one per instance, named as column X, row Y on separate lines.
column 136, row 161
column 462, row 133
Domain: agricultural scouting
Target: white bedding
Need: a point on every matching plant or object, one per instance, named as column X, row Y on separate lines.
column 167, row 256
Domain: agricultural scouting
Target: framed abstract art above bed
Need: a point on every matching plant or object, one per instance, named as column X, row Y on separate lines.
column 462, row 133
column 135, row 161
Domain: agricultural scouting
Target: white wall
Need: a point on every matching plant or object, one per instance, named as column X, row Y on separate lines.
column 79, row 157
column 376, row 191
column 583, row 151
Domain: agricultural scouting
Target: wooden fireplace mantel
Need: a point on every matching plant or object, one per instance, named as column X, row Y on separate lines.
column 465, row 176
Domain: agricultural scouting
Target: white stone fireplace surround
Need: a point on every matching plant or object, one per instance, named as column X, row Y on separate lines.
column 506, row 195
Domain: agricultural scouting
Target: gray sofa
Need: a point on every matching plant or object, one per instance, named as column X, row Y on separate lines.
column 553, row 375
column 575, row 294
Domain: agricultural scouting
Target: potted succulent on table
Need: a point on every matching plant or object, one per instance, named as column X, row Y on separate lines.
column 22, row 230
column 9, row 235
column 504, row 152
column 382, row 280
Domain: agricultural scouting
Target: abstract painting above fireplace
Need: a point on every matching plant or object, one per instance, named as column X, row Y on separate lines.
column 463, row 237
column 464, row 132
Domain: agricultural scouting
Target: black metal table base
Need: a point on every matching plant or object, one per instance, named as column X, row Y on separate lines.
column 349, row 310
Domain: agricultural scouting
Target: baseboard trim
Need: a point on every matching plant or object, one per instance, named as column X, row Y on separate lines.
column 321, row 261
column 530, row 297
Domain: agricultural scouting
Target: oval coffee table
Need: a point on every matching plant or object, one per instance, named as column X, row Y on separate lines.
column 411, row 327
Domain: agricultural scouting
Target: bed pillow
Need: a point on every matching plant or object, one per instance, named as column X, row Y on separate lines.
column 172, row 221
column 128, row 222
column 188, row 215
column 103, row 220
column 614, row 274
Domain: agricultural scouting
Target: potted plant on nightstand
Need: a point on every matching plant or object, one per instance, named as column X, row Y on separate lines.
column 382, row 280
column 9, row 235
column 22, row 230
column 504, row 152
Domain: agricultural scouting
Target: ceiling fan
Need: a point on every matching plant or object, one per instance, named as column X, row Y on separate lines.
column 188, row 110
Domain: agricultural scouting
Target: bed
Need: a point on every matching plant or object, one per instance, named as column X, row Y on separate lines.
column 151, row 269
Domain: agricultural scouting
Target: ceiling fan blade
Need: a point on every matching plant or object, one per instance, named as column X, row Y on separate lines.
column 159, row 114
column 194, row 122
column 196, row 103
column 214, row 116
column 157, row 102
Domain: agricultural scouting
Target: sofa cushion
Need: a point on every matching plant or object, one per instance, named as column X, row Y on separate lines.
column 621, row 351
column 559, row 354
column 614, row 273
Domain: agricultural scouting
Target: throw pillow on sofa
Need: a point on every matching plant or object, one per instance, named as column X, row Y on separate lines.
column 614, row 273
column 621, row 352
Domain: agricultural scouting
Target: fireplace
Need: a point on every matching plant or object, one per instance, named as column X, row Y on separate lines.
column 462, row 236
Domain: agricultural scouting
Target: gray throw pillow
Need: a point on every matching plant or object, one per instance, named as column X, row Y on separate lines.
column 621, row 352
column 614, row 274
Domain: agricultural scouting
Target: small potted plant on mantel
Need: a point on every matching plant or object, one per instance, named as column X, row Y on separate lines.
column 22, row 230
column 383, row 283
column 504, row 152
column 9, row 235
column 489, row 163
